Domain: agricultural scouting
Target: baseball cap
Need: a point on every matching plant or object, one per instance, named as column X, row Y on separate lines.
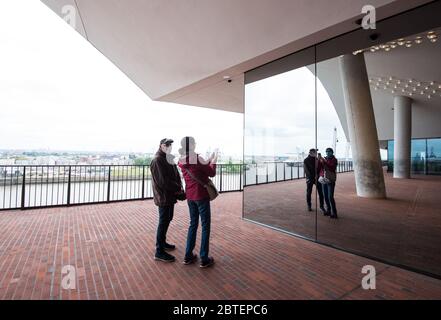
column 166, row 141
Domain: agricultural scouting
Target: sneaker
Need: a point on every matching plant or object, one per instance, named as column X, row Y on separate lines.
column 207, row 263
column 322, row 209
column 309, row 208
column 165, row 257
column 190, row 260
column 334, row 216
column 327, row 213
column 169, row 247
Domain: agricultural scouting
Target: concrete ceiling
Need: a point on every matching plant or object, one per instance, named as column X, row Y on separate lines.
column 180, row 51
column 420, row 62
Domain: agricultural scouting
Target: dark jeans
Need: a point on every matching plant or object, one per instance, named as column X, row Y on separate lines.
column 328, row 191
column 165, row 216
column 199, row 208
column 309, row 185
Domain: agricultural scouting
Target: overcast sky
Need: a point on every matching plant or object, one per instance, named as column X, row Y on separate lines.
column 289, row 127
column 57, row 92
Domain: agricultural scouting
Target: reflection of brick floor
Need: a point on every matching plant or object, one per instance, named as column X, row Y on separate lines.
column 111, row 247
column 405, row 228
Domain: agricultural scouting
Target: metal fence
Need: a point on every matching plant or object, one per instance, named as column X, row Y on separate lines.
column 40, row 186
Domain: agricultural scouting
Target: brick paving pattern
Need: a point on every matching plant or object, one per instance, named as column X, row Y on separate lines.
column 111, row 247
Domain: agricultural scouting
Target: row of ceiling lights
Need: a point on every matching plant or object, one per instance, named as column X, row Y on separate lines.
column 403, row 42
column 409, row 87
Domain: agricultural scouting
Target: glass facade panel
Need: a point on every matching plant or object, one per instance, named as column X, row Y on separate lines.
column 306, row 101
column 434, row 156
column 418, row 156
column 279, row 131
column 390, row 156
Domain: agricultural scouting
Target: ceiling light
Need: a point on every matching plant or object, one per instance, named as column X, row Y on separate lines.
column 418, row 40
column 400, row 42
column 428, row 97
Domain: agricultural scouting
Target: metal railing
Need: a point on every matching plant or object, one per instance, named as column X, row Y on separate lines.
column 38, row 186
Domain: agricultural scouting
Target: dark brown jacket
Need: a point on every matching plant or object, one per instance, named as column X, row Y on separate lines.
column 166, row 181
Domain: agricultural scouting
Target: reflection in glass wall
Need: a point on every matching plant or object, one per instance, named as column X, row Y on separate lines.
column 349, row 103
column 434, row 156
column 279, row 132
column 418, row 156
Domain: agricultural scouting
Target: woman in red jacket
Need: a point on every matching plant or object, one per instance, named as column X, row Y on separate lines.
column 328, row 164
column 196, row 171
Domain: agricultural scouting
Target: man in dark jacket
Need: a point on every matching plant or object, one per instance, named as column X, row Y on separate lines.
column 310, row 166
column 166, row 183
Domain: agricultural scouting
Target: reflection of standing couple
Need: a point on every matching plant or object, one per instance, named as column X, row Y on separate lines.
column 321, row 172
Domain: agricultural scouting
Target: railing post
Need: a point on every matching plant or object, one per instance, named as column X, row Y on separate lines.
column 23, row 188
column 292, row 175
column 143, row 182
column 69, row 185
column 220, row 181
column 108, row 186
column 298, row 170
column 257, row 175
column 275, row 176
column 267, row 172
column 284, row 171
column 240, row 177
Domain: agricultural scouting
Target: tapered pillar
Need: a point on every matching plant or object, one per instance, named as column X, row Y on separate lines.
column 369, row 179
column 402, row 136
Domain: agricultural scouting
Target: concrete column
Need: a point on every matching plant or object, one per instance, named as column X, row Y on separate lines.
column 402, row 136
column 369, row 179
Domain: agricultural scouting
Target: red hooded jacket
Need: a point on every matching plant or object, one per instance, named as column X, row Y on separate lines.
column 202, row 170
column 330, row 163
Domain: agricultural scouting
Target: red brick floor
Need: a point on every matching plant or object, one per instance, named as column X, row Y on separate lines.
column 405, row 228
column 111, row 247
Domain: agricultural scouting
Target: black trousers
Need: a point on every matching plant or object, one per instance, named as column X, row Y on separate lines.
column 165, row 217
column 309, row 184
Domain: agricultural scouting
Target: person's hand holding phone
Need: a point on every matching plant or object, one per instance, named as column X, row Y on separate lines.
column 214, row 156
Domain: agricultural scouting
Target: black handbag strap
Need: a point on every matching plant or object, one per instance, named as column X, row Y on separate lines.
column 194, row 178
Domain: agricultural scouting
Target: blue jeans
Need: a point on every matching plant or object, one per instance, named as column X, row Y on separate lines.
column 165, row 217
column 199, row 208
column 328, row 192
